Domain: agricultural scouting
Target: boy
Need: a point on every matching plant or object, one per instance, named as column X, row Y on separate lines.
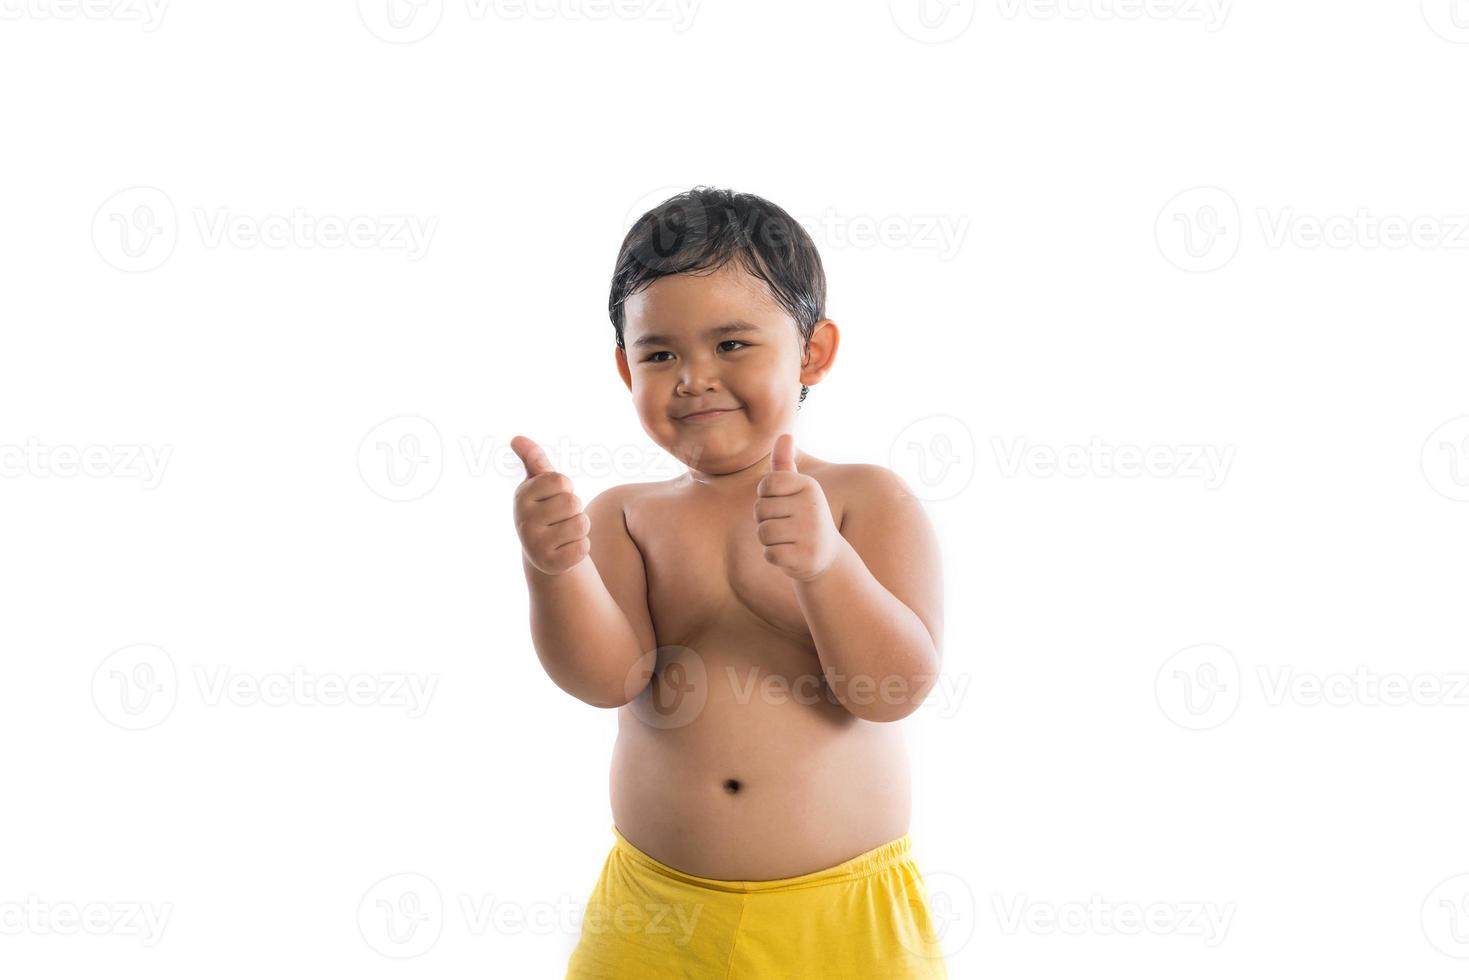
column 758, row 623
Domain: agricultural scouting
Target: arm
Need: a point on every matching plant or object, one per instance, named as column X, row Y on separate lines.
column 588, row 618
column 879, row 643
column 871, row 591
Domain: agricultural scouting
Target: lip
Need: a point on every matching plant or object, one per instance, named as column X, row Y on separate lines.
column 700, row 416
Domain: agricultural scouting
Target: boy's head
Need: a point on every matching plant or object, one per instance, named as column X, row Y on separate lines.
column 718, row 302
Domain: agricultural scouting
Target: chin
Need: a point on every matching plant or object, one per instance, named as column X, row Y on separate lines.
column 699, row 455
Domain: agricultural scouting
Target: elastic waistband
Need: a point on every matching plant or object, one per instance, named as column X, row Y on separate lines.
column 867, row 863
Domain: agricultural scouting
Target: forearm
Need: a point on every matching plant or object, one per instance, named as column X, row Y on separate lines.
column 877, row 654
column 581, row 635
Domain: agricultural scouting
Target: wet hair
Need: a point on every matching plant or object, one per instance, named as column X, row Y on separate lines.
column 702, row 230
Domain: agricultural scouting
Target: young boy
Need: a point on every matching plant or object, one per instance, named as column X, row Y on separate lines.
column 759, row 623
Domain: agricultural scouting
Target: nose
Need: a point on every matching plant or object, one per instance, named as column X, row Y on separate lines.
column 697, row 375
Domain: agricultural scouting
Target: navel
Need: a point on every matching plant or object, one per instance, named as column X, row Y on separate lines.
column 732, row 785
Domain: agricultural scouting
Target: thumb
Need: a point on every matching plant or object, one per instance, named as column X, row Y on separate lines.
column 532, row 455
column 783, row 456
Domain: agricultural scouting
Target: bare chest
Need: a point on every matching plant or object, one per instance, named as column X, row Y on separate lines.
column 707, row 573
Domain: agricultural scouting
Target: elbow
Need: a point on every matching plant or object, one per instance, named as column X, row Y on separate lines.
column 614, row 689
column 891, row 698
column 879, row 713
column 607, row 694
column 606, row 702
column 598, row 696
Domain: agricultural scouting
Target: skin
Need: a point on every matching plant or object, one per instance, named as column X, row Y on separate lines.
column 758, row 622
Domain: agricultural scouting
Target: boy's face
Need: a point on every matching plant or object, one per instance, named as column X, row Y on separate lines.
column 716, row 341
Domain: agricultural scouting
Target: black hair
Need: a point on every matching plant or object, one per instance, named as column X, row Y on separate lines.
column 702, row 230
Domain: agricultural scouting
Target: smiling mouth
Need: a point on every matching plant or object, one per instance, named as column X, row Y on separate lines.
column 700, row 416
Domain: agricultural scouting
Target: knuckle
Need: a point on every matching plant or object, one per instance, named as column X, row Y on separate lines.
column 547, row 484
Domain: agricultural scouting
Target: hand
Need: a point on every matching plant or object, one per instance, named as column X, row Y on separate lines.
column 548, row 516
column 792, row 518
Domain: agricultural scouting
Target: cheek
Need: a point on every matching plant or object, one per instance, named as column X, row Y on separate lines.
column 769, row 379
column 651, row 400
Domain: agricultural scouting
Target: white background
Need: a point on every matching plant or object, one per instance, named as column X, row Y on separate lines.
column 1080, row 309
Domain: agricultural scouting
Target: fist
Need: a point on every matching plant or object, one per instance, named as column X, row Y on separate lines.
column 792, row 518
column 554, row 531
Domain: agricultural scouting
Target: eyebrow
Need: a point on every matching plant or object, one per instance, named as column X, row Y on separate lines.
column 655, row 339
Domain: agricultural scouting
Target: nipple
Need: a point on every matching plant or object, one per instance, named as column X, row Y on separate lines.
column 733, row 785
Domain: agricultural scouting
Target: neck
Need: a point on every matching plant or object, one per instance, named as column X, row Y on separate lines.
column 744, row 478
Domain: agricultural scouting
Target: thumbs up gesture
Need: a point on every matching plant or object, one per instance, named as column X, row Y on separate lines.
column 792, row 518
column 554, row 531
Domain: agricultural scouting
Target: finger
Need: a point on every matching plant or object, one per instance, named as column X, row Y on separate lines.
column 781, row 530
column 532, row 455
column 783, row 456
column 770, row 508
column 574, row 528
column 573, row 547
column 550, row 537
column 561, row 507
column 780, row 484
column 780, row 555
column 564, row 557
column 544, row 486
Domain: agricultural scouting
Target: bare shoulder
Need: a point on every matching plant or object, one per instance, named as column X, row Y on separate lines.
column 626, row 497
column 631, row 493
column 869, row 479
column 864, row 489
column 890, row 530
column 623, row 509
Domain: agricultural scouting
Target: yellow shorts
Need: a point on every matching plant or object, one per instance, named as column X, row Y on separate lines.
column 867, row 917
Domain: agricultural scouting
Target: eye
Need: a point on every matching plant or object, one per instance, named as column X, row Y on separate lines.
column 653, row 356
column 740, row 342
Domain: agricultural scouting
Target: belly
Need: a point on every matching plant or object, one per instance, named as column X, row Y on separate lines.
column 736, row 763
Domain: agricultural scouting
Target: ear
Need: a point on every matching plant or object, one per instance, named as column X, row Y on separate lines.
column 622, row 368
column 817, row 361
